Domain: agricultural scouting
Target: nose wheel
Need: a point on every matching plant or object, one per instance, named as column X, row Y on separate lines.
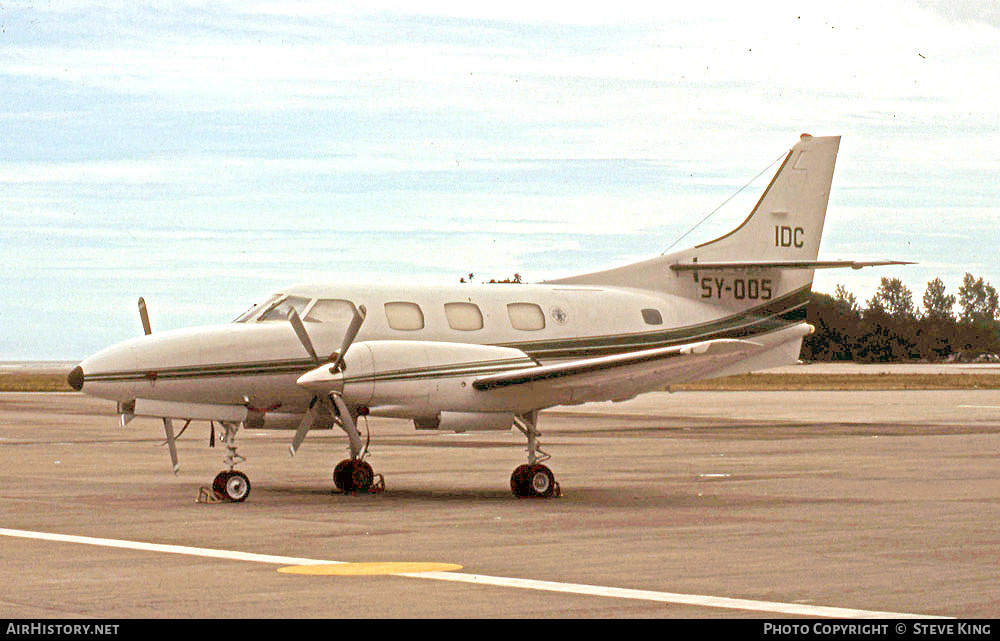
column 231, row 486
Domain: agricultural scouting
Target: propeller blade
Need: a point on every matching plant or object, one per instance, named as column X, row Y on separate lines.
column 304, row 426
column 352, row 332
column 168, row 427
column 144, row 316
column 300, row 331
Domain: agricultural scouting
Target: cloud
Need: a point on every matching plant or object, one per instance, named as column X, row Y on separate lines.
column 968, row 11
column 249, row 144
column 81, row 172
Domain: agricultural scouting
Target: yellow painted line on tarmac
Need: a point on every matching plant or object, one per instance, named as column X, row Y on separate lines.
column 407, row 570
column 368, row 569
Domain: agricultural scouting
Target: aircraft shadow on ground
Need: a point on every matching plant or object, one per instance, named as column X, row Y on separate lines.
column 625, row 496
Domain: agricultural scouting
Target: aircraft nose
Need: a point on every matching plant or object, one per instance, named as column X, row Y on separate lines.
column 110, row 373
column 75, row 378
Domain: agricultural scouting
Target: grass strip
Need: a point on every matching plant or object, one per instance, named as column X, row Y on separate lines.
column 56, row 382
column 842, row 382
column 33, row 382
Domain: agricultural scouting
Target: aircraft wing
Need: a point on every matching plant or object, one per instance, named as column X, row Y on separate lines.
column 623, row 375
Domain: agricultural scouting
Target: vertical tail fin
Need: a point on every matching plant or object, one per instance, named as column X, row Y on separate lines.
column 787, row 222
column 785, row 225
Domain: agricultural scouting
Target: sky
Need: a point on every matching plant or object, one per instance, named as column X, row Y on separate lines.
column 202, row 156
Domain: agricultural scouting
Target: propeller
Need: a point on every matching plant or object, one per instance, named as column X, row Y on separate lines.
column 337, row 407
column 168, row 428
column 144, row 316
column 349, row 336
column 300, row 331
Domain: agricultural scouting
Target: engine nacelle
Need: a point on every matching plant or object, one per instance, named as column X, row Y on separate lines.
column 422, row 379
column 467, row 422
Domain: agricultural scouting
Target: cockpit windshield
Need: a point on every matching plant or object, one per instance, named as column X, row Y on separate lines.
column 279, row 306
column 283, row 310
column 256, row 309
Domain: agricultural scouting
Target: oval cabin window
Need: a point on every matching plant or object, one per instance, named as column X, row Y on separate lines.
column 526, row 316
column 404, row 316
column 463, row 316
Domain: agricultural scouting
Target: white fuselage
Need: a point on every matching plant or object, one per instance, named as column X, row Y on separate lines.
column 257, row 362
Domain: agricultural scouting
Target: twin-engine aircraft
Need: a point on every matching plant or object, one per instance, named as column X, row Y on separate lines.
column 487, row 357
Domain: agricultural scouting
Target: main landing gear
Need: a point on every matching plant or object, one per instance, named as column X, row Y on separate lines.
column 354, row 474
column 533, row 479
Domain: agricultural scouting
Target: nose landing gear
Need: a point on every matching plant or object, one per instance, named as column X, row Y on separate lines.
column 354, row 474
column 231, row 485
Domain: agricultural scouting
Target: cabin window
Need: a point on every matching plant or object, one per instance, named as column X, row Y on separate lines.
column 282, row 310
column 331, row 311
column 463, row 316
column 404, row 316
column 526, row 316
column 652, row 317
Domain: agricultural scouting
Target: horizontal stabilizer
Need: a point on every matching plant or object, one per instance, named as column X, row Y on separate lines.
column 785, row 264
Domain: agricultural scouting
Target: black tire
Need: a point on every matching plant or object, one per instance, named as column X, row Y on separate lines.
column 362, row 476
column 219, row 485
column 342, row 476
column 520, row 481
column 353, row 476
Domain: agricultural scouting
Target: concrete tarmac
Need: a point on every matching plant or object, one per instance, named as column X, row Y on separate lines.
column 874, row 501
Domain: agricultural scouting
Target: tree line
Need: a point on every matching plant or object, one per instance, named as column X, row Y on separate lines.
column 892, row 328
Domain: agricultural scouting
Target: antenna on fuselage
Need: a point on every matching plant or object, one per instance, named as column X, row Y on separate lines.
column 725, row 202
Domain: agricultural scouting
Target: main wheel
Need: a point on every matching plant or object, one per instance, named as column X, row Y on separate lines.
column 520, row 481
column 543, row 482
column 533, row 480
column 352, row 475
